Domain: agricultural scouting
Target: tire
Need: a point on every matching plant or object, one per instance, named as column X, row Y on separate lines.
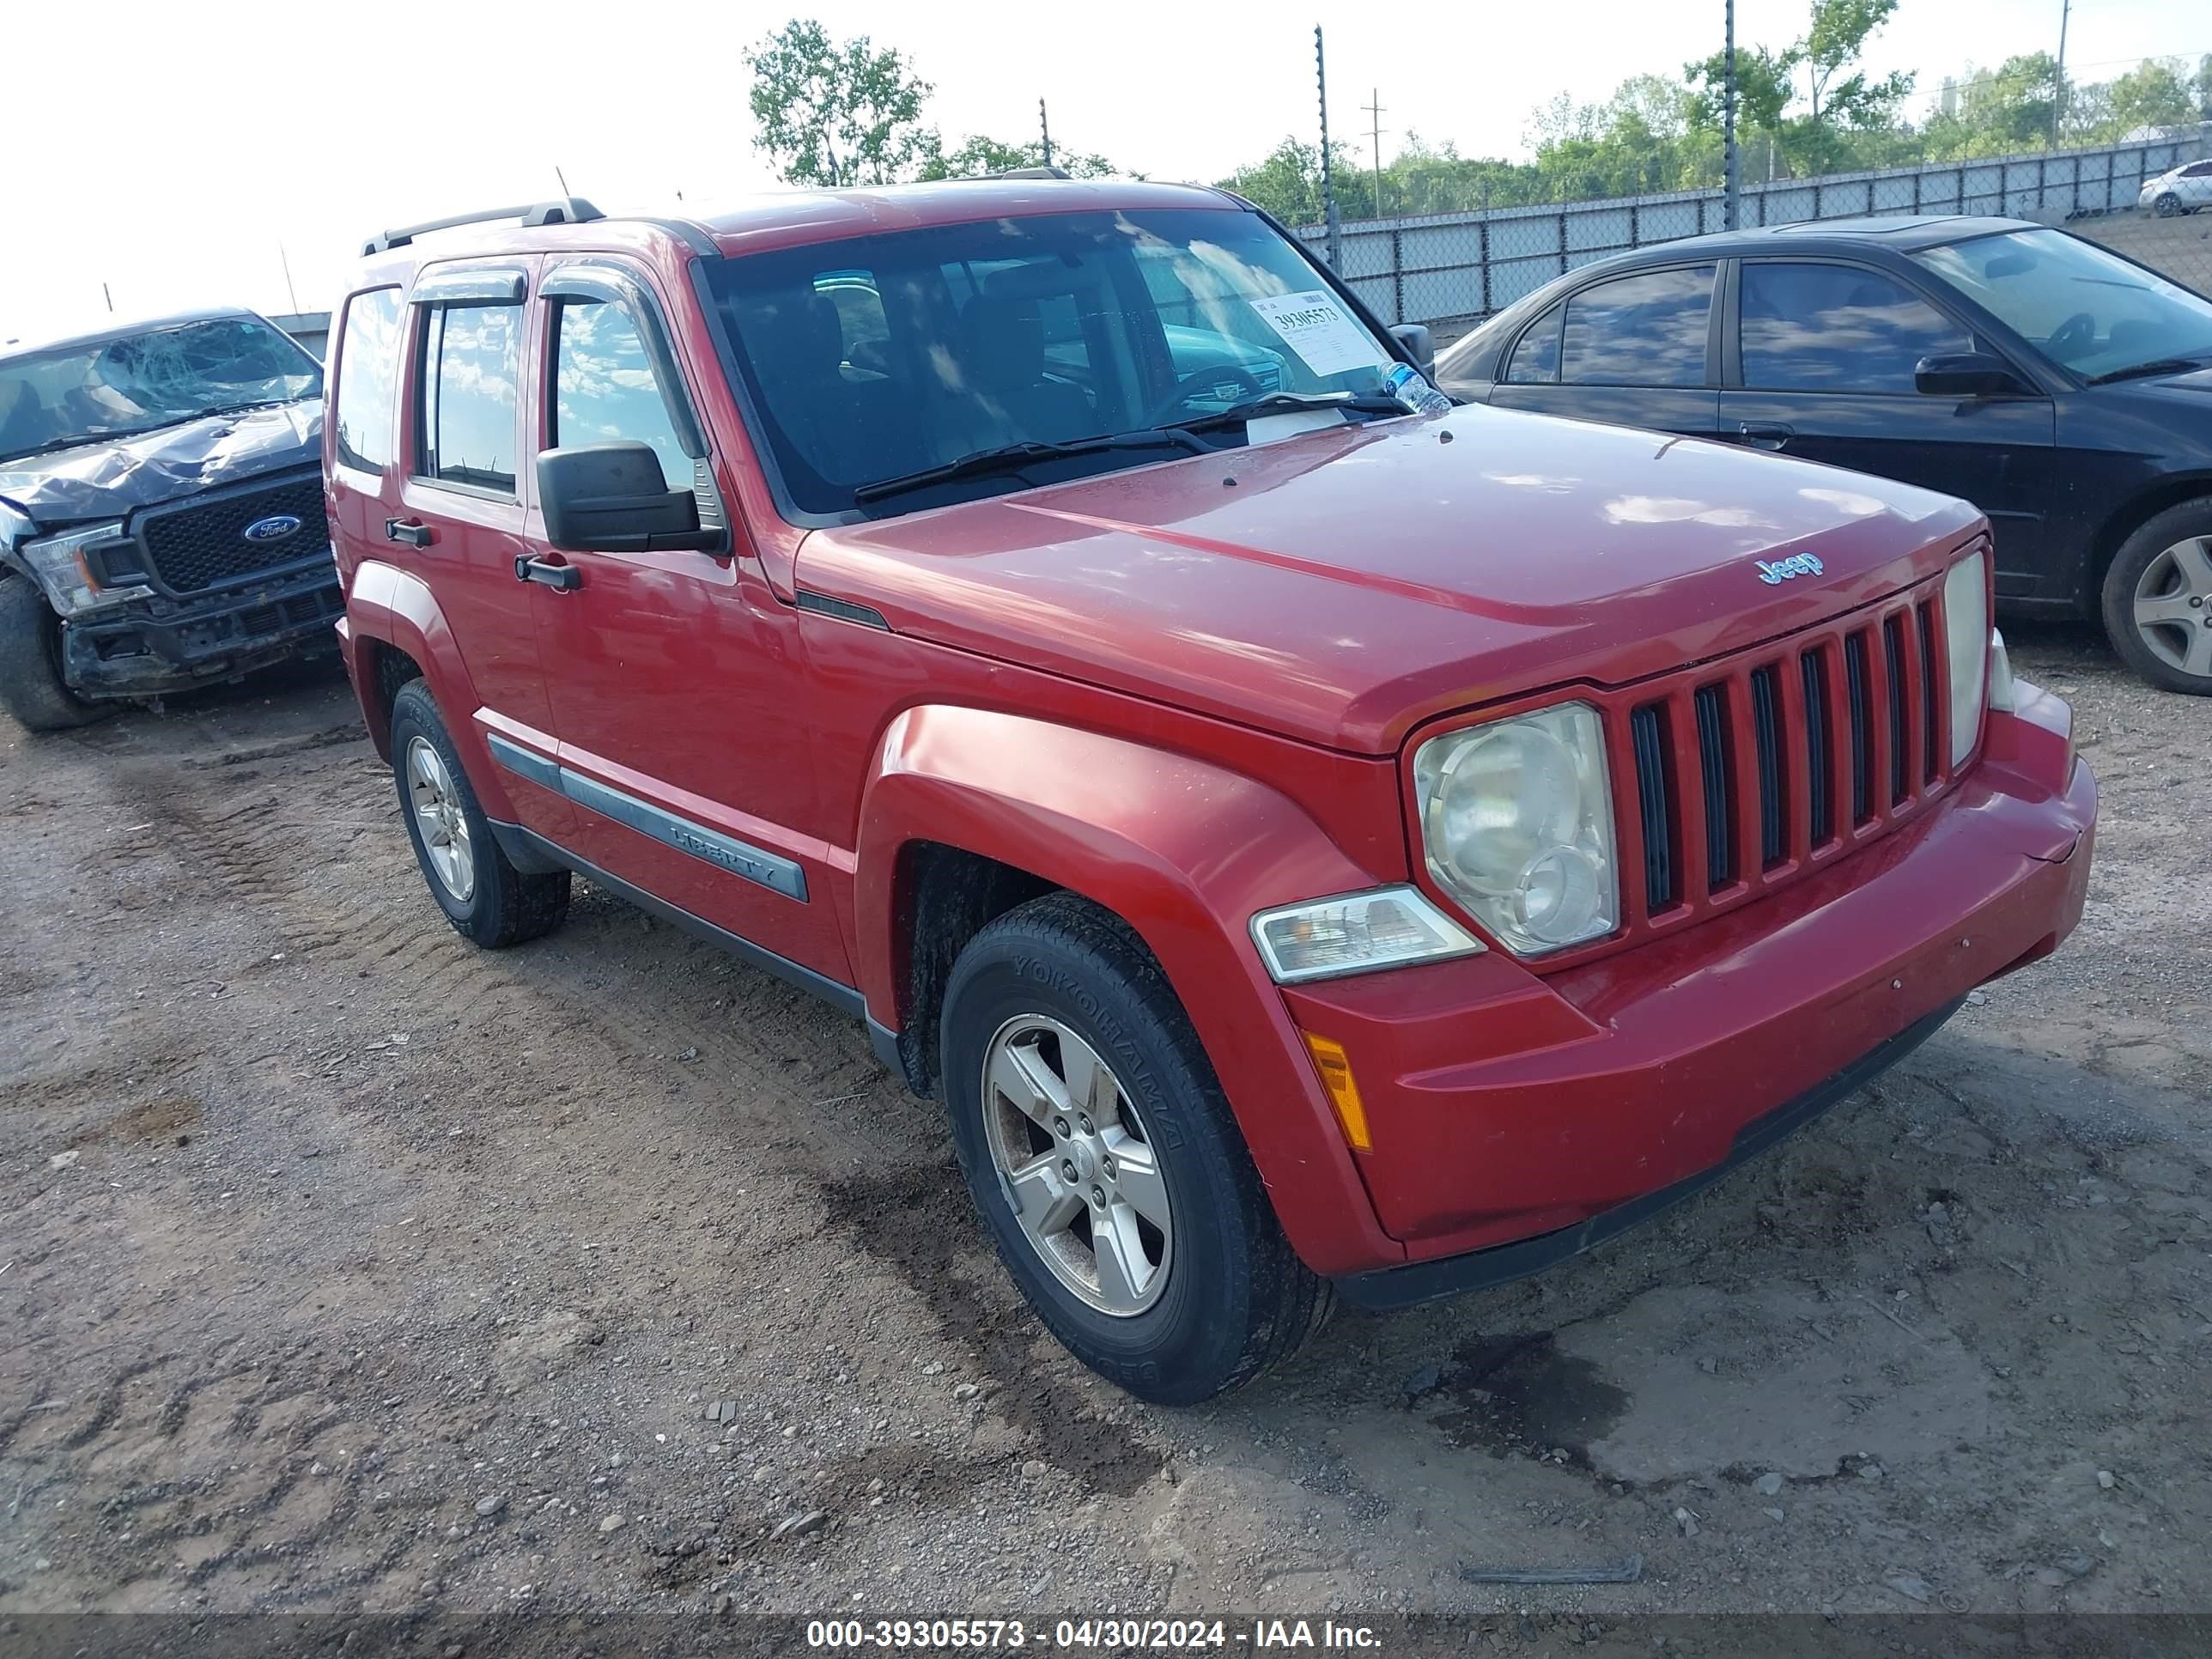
column 31, row 685
column 2167, row 205
column 1225, row 1297
column 487, row 899
column 2157, row 599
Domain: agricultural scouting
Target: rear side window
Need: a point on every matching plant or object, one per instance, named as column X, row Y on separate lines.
column 369, row 377
column 604, row 387
column 1837, row 328
column 1537, row 359
column 471, row 366
column 1645, row 330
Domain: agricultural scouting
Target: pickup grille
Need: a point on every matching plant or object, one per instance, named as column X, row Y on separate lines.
column 1750, row 772
column 200, row 542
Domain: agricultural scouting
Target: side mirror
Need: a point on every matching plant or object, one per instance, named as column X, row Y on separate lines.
column 1420, row 345
column 1965, row 375
column 613, row 498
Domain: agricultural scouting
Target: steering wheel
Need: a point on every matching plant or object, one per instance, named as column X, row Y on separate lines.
column 2072, row 338
column 1226, row 384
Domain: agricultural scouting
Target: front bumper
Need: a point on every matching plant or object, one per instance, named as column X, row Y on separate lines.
column 1542, row 1114
column 152, row 647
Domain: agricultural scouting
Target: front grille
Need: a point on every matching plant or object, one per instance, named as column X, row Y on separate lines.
column 1751, row 765
column 201, row 544
column 295, row 611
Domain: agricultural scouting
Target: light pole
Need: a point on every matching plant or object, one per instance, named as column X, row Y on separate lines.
column 1328, row 185
column 1731, row 168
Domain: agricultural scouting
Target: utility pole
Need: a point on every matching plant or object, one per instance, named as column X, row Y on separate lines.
column 1328, row 183
column 2058, row 92
column 1732, row 167
column 1044, row 126
column 1374, row 109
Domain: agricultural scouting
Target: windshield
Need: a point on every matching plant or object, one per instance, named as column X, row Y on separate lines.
column 2088, row 311
column 83, row 394
column 879, row 356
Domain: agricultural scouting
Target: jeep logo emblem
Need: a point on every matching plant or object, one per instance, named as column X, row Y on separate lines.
column 1799, row 564
column 274, row 528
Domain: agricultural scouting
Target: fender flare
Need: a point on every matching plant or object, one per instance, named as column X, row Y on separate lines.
column 388, row 606
column 1181, row 849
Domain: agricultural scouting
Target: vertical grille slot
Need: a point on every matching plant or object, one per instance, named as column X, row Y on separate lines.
column 1647, row 735
column 1930, row 747
column 1862, row 717
column 1821, row 756
column 1713, row 766
column 1893, row 650
column 1766, row 734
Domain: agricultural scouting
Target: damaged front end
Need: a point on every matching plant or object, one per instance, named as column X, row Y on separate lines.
column 210, row 555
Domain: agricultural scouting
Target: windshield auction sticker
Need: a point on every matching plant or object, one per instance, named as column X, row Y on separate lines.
column 1316, row 326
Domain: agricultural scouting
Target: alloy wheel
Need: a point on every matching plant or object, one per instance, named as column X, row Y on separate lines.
column 441, row 820
column 1072, row 1153
column 2173, row 605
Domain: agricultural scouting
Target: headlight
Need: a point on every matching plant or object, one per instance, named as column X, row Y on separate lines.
column 1966, row 624
column 58, row 564
column 1516, row 823
column 1356, row 933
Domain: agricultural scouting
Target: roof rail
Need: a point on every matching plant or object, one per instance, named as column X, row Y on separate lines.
column 1031, row 172
column 562, row 210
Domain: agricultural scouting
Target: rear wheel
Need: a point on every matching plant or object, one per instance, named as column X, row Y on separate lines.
column 486, row 898
column 31, row 685
column 2167, row 205
column 1098, row 1146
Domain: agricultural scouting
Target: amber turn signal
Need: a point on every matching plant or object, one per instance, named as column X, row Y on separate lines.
column 1343, row 1089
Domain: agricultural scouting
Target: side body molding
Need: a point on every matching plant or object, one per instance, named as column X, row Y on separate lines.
column 1185, row 851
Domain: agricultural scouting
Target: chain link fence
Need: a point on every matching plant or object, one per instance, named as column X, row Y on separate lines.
column 1451, row 270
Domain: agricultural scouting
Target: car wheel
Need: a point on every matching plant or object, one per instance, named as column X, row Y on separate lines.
column 1098, row 1146
column 2167, row 205
column 31, row 685
column 2157, row 599
column 486, row 898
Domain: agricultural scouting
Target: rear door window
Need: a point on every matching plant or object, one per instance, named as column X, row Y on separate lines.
column 472, row 368
column 368, row 378
column 1837, row 328
column 1646, row 330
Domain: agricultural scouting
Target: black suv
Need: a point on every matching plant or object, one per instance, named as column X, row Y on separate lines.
column 162, row 520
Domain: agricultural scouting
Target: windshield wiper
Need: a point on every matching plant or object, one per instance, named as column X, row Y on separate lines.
column 1012, row 457
column 2156, row 366
column 1291, row 403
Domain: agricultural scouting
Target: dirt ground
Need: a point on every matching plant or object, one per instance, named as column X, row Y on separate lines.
column 343, row 1266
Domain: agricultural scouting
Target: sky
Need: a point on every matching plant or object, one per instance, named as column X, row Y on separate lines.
column 184, row 156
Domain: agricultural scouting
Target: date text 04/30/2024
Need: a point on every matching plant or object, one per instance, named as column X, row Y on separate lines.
column 1165, row 1634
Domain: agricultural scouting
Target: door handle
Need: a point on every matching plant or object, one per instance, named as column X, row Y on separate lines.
column 413, row 531
column 561, row 577
column 1765, row 435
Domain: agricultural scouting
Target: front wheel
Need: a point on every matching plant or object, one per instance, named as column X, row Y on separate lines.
column 486, row 898
column 31, row 685
column 1101, row 1154
column 2157, row 599
column 2167, row 205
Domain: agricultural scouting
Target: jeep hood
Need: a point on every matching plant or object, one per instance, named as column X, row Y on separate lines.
column 108, row 477
column 1344, row 584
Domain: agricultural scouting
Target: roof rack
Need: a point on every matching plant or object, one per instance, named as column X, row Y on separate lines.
column 1031, row 172
column 562, row 210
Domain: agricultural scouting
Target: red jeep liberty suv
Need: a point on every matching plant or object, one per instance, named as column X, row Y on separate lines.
column 1314, row 839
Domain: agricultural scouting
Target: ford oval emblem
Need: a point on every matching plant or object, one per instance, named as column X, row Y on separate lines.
column 274, row 528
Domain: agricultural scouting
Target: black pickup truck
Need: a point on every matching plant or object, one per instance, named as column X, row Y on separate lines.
column 162, row 522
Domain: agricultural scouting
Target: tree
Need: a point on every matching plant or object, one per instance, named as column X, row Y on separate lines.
column 2156, row 93
column 836, row 112
column 1835, row 42
column 979, row 156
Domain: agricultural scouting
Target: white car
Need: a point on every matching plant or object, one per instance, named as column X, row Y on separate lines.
column 2183, row 189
